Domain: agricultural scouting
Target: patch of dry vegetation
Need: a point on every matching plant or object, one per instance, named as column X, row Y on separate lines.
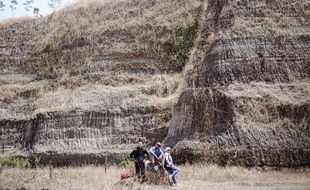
column 66, row 41
column 267, row 20
column 191, row 177
column 102, row 43
column 8, row 93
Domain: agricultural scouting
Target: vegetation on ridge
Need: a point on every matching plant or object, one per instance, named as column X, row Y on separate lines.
column 69, row 48
column 185, row 37
column 15, row 161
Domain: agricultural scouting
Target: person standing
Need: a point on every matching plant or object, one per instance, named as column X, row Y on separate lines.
column 169, row 166
column 139, row 155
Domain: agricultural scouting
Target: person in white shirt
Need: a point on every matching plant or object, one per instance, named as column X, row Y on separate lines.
column 169, row 166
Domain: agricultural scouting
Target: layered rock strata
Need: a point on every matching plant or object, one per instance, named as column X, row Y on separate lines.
column 247, row 99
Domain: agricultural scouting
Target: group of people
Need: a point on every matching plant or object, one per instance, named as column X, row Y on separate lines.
column 156, row 159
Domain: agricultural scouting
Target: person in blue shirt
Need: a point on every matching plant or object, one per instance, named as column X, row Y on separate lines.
column 156, row 154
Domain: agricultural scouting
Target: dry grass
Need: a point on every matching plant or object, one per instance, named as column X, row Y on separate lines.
column 65, row 41
column 66, row 45
column 149, row 91
column 10, row 92
column 191, row 177
column 273, row 23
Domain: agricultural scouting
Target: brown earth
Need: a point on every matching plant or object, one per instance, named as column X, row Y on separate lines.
column 247, row 98
column 91, row 79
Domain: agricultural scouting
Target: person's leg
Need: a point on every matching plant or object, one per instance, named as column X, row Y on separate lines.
column 147, row 164
column 137, row 168
column 152, row 160
column 175, row 171
column 142, row 170
column 170, row 172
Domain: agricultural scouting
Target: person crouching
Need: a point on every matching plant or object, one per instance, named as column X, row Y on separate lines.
column 169, row 166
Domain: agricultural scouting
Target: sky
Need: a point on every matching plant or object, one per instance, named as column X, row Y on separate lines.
column 21, row 11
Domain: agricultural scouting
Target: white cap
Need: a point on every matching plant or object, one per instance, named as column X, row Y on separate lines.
column 167, row 149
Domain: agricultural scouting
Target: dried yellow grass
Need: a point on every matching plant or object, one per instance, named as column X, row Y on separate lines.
column 194, row 177
column 110, row 28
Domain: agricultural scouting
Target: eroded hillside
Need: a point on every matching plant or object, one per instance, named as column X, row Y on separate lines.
column 93, row 78
column 247, row 100
column 230, row 79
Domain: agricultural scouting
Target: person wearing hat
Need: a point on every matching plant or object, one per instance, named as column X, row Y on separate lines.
column 156, row 154
column 140, row 155
column 169, row 166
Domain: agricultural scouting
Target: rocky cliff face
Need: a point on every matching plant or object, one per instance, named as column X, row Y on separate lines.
column 247, row 100
column 81, row 137
column 90, row 80
column 75, row 90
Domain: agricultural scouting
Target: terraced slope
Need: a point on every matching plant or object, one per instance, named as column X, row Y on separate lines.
column 91, row 79
column 247, row 100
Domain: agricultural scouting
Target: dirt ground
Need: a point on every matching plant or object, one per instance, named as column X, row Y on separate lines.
column 191, row 177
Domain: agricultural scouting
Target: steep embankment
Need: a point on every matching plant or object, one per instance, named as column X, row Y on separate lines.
column 247, row 101
column 91, row 79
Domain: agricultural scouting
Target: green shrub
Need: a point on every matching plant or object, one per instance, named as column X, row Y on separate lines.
column 37, row 159
column 15, row 162
column 185, row 38
column 126, row 161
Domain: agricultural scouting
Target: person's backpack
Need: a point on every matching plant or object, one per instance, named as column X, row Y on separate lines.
column 126, row 175
column 165, row 162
